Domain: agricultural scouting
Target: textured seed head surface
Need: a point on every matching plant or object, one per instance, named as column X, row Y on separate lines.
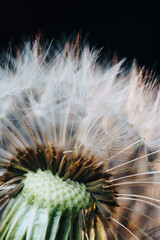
column 47, row 188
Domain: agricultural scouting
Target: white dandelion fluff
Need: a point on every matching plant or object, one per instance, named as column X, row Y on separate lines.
column 79, row 148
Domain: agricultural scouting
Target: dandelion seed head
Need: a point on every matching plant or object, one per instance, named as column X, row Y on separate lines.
column 69, row 119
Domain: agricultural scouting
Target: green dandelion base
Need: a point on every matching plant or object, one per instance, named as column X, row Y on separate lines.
column 49, row 208
column 22, row 221
column 46, row 209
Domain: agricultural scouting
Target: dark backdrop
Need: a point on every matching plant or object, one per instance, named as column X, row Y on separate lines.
column 129, row 28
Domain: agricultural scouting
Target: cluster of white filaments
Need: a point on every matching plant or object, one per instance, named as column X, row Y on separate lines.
column 84, row 109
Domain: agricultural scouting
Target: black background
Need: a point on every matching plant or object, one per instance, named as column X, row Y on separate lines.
column 128, row 28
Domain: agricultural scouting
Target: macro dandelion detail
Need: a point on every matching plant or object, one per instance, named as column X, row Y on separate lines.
column 79, row 145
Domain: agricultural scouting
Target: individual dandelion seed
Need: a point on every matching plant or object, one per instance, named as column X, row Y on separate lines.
column 80, row 148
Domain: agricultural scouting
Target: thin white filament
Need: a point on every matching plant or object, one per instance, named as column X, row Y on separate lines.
column 133, row 160
column 133, row 175
column 131, row 145
column 139, row 200
column 125, row 228
column 139, row 196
